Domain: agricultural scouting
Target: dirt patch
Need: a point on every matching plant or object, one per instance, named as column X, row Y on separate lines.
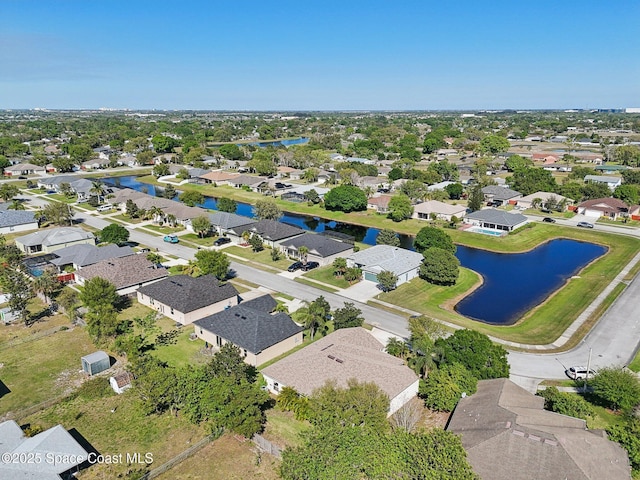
column 69, row 381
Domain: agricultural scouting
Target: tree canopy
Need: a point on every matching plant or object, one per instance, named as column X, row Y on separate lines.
column 400, row 208
column 114, row 233
column 440, row 267
column 345, row 198
column 213, row 262
column 267, row 210
column 388, row 237
column 228, row 205
column 429, row 237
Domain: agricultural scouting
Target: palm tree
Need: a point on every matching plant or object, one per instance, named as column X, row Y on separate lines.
column 172, row 220
column 46, row 284
column 339, row 266
column 16, row 205
column 97, row 187
column 245, row 236
column 156, row 214
column 303, row 252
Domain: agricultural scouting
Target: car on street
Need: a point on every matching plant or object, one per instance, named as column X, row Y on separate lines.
column 585, row 225
column 171, row 238
column 221, row 241
column 104, row 208
column 578, row 373
column 310, row 266
column 294, row 266
column 549, row 220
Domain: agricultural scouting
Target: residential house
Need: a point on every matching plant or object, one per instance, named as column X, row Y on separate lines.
column 126, row 273
column 249, row 181
column 405, row 264
column 346, row 354
column 321, row 248
column 290, row 172
column 294, row 197
column 442, row 211
column 185, row 299
column 439, row 186
column 56, row 443
column 128, row 160
column 226, row 224
column 611, row 208
column 302, row 189
column 609, row 169
column 496, row 219
column 371, row 182
column 218, row 176
column 12, row 221
column 379, row 203
column 609, row 180
column 80, row 186
column 273, row 232
column 83, row 255
column 95, row 164
column 508, row 435
column 52, row 239
column 23, row 169
column 498, row 195
column 260, row 335
column 544, row 199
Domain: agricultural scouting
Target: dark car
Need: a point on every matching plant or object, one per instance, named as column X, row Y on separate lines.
column 310, row 266
column 585, row 224
column 221, row 241
column 22, row 177
column 295, row 266
column 549, row 220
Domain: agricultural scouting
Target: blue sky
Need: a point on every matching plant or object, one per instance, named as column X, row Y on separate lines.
column 319, row 55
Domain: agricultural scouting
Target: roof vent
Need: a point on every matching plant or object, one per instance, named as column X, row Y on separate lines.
column 243, row 317
column 328, row 346
column 339, row 361
column 331, row 357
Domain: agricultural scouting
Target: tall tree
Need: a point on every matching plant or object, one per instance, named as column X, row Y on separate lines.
column 213, row 262
column 345, row 198
column 227, row 205
column 114, row 233
column 400, row 208
column 20, row 291
column 387, row 280
column 8, row 191
column 388, row 237
column 201, row 225
column 57, row 213
column 439, row 267
column 429, row 237
column 476, row 199
column 192, row 198
column 347, row 316
column 98, row 291
column 267, row 210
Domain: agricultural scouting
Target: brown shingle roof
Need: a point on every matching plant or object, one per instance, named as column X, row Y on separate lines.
column 508, row 435
column 124, row 272
column 342, row 355
column 219, row 176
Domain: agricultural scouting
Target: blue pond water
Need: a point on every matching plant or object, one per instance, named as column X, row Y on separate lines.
column 513, row 283
column 516, row 282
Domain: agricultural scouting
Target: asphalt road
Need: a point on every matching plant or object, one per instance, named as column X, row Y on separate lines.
column 612, row 342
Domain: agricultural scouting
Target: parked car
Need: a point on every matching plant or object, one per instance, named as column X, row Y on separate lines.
column 549, row 220
column 22, row 177
column 144, row 250
column 104, row 208
column 171, row 238
column 295, row 266
column 310, row 266
column 585, row 224
column 578, row 373
column 221, row 241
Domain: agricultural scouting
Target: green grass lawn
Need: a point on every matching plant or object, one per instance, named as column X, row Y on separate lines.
column 60, row 198
column 164, row 229
column 38, row 370
column 635, row 363
column 115, row 424
column 283, row 429
column 325, row 275
column 196, row 239
column 263, row 257
column 185, row 351
column 319, row 286
column 125, row 219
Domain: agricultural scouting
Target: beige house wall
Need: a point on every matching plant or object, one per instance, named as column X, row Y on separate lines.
column 186, row 318
column 251, row 358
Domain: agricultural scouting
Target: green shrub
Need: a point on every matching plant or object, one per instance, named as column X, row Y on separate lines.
column 565, row 403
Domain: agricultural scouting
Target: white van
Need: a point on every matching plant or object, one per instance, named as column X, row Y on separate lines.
column 104, row 208
column 578, row 373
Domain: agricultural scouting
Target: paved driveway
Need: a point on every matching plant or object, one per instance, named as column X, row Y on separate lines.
column 361, row 291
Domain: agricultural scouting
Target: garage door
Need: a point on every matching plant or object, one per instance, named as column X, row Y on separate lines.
column 372, row 277
column 592, row 213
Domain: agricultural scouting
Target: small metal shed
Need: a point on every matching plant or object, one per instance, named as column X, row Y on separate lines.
column 95, row 362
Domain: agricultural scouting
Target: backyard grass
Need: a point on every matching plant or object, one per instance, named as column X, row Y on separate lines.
column 184, row 351
column 227, row 458
column 326, row 275
column 115, row 424
column 283, row 429
column 38, row 370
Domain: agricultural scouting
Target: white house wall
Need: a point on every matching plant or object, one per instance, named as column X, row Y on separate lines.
column 403, row 397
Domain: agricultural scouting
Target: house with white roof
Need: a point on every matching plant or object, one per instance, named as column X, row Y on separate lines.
column 610, row 181
column 405, row 264
column 443, row 211
column 52, row 239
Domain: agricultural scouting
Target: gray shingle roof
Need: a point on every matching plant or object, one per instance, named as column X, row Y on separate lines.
column 499, row 217
column 250, row 329
column 227, row 220
column 124, row 272
column 500, row 193
column 186, row 294
column 263, row 303
column 54, row 236
column 11, row 218
column 274, row 231
column 386, row 257
column 85, row 254
column 55, row 441
column 317, row 244
column 509, row 436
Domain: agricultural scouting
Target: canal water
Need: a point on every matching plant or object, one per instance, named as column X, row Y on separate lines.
column 513, row 283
